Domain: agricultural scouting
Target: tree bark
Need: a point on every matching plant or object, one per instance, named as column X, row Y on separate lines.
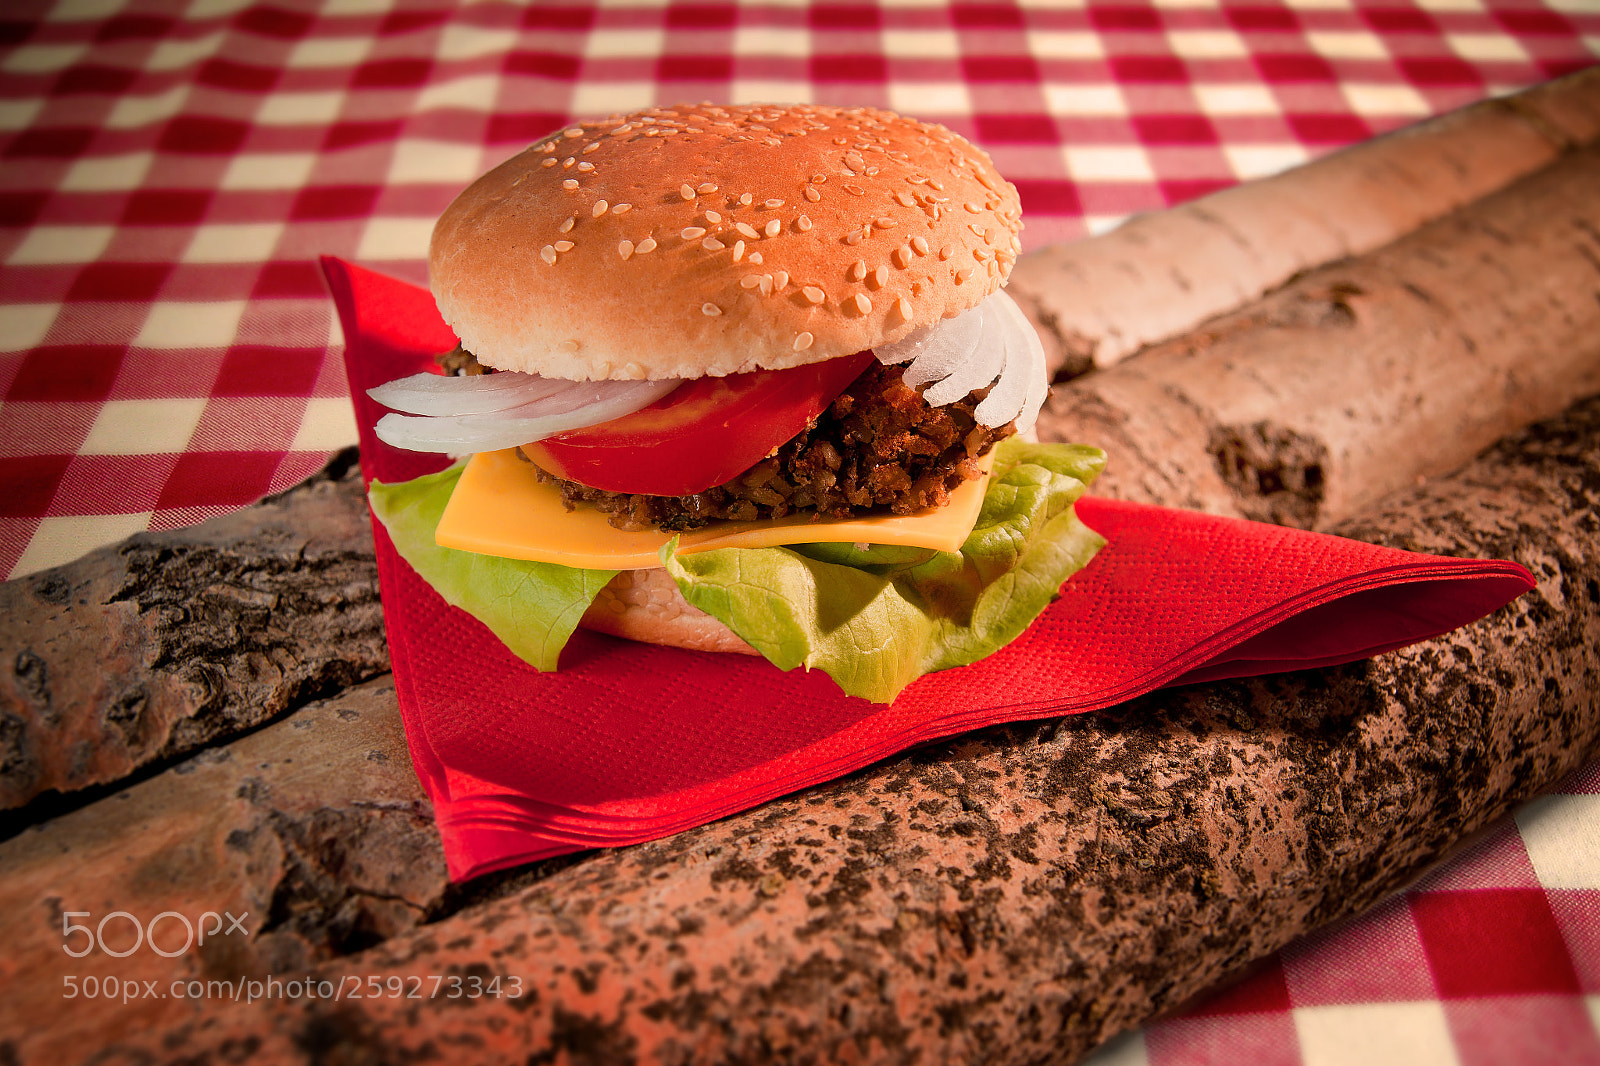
column 1018, row 894
column 1308, row 406
column 313, row 832
column 1099, row 300
column 152, row 649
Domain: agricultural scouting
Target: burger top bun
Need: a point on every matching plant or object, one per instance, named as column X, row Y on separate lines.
column 702, row 240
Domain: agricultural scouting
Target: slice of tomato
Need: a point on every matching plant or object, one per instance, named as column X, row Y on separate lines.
column 701, row 434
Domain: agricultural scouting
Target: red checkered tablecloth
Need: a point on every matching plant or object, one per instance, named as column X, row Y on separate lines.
column 171, row 169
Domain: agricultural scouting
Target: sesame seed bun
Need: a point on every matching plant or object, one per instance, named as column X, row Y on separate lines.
column 701, row 240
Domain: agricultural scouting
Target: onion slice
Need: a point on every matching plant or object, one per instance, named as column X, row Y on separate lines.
column 991, row 346
column 1024, row 385
column 570, row 405
column 978, row 370
column 467, row 394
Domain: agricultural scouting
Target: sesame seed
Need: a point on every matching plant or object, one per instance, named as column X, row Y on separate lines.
column 755, row 257
column 902, row 307
column 564, row 246
column 819, row 179
column 689, row 233
column 919, row 244
column 773, row 202
column 713, row 217
column 586, row 166
column 963, row 275
column 773, row 227
column 547, row 162
column 570, row 184
column 566, row 227
column 711, row 244
column 646, row 245
column 858, row 270
column 568, row 345
column 548, row 254
column 747, row 230
column 975, row 228
column 750, row 281
column 803, row 341
column 813, row 194
column 780, row 279
column 622, row 209
column 981, row 254
column 746, row 199
column 974, row 208
column 567, row 162
column 905, row 198
column 686, row 191
column 590, row 147
column 710, row 309
column 858, row 190
column 853, row 237
column 625, row 249
column 946, row 252
column 803, row 223
column 766, row 285
column 883, row 223
column 863, row 304
column 599, row 208
column 813, row 294
column 879, row 277
column 574, row 132
column 707, row 187
column 901, row 256
column 738, row 251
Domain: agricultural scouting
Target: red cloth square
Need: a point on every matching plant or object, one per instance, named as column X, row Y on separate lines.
column 1262, row 992
column 1492, row 942
column 203, row 479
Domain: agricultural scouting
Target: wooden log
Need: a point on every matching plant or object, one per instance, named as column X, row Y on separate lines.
column 1355, row 379
column 1295, row 411
column 1018, row 894
column 151, row 649
column 1099, row 300
column 312, row 832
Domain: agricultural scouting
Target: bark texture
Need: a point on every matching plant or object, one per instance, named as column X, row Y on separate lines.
column 1020, row 894
column 1099, row 300
column 153, row 648
column 1349, row 383
column 313, row 832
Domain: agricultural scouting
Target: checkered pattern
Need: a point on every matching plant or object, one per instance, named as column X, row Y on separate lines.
column 170, row 169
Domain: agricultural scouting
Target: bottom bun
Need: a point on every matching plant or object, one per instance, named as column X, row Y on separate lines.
column 645, row 605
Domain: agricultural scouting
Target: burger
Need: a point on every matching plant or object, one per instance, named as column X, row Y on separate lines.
column 739, row 379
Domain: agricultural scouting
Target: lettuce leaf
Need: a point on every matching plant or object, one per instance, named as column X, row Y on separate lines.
column 874, row 618
column 532, row 607
column 878, row 619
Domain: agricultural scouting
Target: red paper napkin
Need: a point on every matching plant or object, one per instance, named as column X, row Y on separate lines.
column 628, row 742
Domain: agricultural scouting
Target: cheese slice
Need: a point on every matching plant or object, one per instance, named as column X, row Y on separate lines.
column 499, row 507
